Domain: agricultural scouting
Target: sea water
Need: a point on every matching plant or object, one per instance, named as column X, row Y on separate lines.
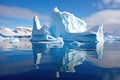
column 71, row 60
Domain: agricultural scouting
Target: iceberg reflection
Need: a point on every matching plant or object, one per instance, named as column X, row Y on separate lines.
column 110, row 58
column 71, row 59
column 66, row 57
column 6, row 45
column 99, row 49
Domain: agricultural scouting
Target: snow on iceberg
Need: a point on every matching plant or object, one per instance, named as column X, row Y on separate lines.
column 100, row 34
column 69, row 27
column 67, row 22
column 98, row 30
column 65, row 25
column 64, row 22
column 41, row 33
column 36, row 26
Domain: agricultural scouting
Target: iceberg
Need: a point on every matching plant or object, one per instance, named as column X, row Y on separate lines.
column 66, row 26
column 36, row 26
column 69, row 27
column 98, row 30
column 41, row 33
column 100, row 34
column 66, row 22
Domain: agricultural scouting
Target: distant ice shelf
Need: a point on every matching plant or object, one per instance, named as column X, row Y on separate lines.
column 18, row 32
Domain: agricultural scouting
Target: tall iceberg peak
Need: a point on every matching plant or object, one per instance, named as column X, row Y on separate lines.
column 36, row 26
column 40, row 33
column 56, row 9
column 36, row 22
column 67, row 22
column 100, row 34
column 98, row 30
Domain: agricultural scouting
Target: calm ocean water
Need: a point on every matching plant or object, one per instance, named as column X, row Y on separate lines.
column 68, row 61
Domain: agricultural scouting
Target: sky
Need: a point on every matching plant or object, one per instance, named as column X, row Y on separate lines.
column 19, row 13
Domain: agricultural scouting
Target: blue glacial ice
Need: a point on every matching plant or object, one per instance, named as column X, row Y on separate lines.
column 66, row 26
column 40, row 33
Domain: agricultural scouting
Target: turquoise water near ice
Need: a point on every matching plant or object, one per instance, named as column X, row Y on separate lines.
column 68, row 61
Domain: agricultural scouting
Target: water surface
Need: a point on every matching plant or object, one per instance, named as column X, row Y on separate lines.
column 68, row 61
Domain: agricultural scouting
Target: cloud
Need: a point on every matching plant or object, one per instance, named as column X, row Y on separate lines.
column 20, row 13
column 107, row 4
column 109, row 18
column 3, row 21
column 106, row 1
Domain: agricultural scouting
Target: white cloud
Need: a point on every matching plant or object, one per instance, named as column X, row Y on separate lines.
column 117, row 1
column 3, row 21
column 109, row 18
column 106, row 1
column 108, row 4
column 20, row 13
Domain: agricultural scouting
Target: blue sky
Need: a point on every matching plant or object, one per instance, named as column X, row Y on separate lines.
column 14, row 13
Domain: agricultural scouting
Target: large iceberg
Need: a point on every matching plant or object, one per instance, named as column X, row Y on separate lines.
column 65, row 25
column 66, row 22
column 69, row 27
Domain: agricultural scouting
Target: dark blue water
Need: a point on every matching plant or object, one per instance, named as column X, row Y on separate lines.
column 68, row 61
